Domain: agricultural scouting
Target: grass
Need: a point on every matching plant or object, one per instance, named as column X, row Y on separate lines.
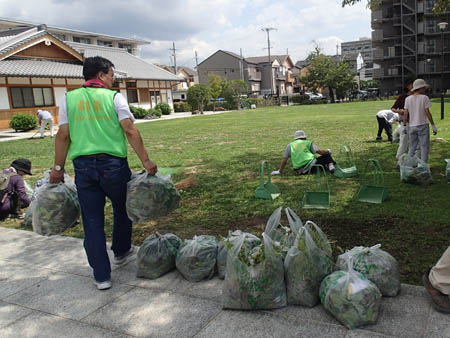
column 225, row 150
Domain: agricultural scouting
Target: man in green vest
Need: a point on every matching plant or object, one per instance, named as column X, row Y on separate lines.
column 302, row 154
column 94, row 126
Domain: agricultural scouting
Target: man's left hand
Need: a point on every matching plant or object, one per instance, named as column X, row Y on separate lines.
column 434, row 129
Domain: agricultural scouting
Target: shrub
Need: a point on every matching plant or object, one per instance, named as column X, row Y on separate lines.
column 300, row 99
column 164, row 108
column 23, row 122
column 138, row 112
column 154, row 112
column 181, row 107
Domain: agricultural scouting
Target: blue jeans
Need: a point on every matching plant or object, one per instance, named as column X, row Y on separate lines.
column 96, row 177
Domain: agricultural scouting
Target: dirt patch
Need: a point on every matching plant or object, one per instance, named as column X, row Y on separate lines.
column 225, row 142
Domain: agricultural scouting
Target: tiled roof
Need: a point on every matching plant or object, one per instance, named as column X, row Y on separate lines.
column 40, row 68
column 125, row 62
column 9, row 44
column 263, row 59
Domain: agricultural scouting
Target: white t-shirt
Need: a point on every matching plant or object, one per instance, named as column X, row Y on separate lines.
column 120, row 105
column 388, row 115
column 416, row 105
column 44, row 115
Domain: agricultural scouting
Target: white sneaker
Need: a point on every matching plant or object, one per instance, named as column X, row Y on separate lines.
column 103, row 285
column 123, row 258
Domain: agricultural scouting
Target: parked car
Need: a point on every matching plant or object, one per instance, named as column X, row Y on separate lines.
column 315, row 96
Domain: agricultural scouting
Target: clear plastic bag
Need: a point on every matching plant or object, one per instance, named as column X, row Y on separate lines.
column 157, row 254
column 306, row 264
column 415, row 171
column 150, row 197
column 396, row 135
column 255, row 277
column 196, row 259
column 377, row 265
column 350, row 297
column 282, row 235
column 226, row 243
column 55, row 209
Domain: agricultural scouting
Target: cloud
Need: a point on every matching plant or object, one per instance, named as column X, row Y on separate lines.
column 205, row 26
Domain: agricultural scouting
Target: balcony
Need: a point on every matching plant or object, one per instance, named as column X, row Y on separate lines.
column 378, row 73
column 377, row 54
column 377, row 35
column 280, row 76
column 254, row 76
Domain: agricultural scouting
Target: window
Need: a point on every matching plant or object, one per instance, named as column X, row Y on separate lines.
column 131, row 84
column 60, row 36
column 132, row 96
column 81, row 40
column 26, row 97
column 127, row 47
column 104, row 43
column 191, row 78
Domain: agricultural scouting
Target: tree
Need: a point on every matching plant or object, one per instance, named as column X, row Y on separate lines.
column 440, row 6
column 323, row 72
column 365, row 84
column 198, row 95
column 234, row 92
column 216, row 86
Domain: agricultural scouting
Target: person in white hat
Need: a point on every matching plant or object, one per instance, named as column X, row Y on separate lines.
column 45, row 118
column 302, row 154
column 417, row 111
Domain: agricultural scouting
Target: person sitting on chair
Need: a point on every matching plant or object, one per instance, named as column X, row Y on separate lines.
column 302, row 153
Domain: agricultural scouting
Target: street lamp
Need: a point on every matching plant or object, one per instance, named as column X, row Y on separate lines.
column 442, row 26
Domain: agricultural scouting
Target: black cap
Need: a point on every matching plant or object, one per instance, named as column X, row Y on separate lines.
column 22, row 164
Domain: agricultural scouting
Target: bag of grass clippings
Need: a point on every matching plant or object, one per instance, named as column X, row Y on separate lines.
column 196, row 259
column 415, row 171
column 350, row 297
column 157, row 254
column 306, row 264
column 255, row 277
column 150, row 197
column 56, row 209
column 377, row 265
column 226, row 243
column 282, row 235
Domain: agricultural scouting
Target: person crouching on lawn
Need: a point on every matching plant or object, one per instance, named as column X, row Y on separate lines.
column 302, row 154
column 385, row 119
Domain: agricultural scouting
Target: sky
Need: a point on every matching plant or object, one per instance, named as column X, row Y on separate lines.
column 204, row 26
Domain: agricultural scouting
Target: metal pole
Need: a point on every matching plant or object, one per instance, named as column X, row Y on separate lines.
column 442, row 74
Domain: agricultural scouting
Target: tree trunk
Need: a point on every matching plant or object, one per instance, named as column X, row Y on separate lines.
column 330, row 89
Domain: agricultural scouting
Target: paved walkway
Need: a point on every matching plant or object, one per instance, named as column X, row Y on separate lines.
column 11, row 134
column 46, row 290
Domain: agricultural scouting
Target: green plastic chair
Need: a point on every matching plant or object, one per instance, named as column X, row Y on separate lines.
column 374, row 191
column 345, row 167
column 267, row 191
column 317, row 193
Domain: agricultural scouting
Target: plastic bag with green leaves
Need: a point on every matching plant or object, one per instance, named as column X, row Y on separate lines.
column 226, row 243
column 255, row 276
column 150, row 197
column 415, row 171
column 350, row 297
column 196, row 259
column 284, row 236
column 157, row 254
column 377, row 265
column 55, row 209
column 306, row 264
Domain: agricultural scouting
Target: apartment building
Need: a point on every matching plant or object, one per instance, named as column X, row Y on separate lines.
column 352, row 49
column 408, row 43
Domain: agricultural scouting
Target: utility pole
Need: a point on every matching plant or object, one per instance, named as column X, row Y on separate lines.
column 241, row 70
column 196, row 60
column 174, row 58
column 267, row 30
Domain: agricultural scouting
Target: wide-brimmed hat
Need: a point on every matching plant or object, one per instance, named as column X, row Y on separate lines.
column 22, row 164
column 419, row 83
column 299, row 134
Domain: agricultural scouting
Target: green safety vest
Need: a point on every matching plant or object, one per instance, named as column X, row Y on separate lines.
column 301, row 154
column 93, row 123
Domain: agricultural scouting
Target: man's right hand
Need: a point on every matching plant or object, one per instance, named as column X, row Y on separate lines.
column 56, row 176
column 150, row 167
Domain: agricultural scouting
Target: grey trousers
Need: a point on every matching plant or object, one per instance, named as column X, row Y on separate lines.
column 419, row 136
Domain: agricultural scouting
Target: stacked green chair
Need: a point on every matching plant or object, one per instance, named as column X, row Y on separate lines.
column 317, row 193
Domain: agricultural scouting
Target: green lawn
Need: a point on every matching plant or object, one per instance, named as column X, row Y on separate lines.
column 225, row 151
